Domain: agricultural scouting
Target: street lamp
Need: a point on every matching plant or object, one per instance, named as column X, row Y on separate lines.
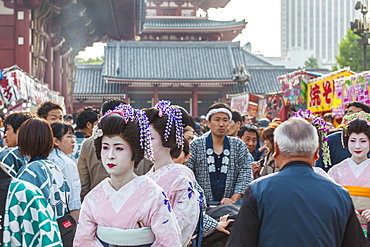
column 361, row 28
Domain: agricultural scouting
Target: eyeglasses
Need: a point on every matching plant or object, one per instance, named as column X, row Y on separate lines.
column 249, row 126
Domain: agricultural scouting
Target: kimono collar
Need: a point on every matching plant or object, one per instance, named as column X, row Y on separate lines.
column 36, row 158
column 210, row 155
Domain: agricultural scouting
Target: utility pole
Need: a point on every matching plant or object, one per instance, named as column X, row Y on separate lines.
column 361, row 28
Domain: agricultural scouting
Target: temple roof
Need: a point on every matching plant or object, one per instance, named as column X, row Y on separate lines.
column 90, row 83
column 190, row 23
column 206, row 4
column 144, row 61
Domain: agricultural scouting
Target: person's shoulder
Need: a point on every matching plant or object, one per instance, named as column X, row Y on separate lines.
column 235, row 140
column 27, row 188
column 181, row 169
column 148, row 183
column 9, row 151
column 88, row 141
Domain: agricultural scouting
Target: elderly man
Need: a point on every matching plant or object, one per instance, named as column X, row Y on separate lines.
column 296, row 207
column 220, row 163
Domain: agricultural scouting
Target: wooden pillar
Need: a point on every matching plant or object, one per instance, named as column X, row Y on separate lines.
column 64, row 91
column 127, row 98
column 49, row 72
column 156, row 95
column 194, row 110
column 57, row 71
column 22, row 36
column 224, row 90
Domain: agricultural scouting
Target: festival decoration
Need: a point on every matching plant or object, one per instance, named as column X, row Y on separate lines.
column 348, row 89
column 347, row 119
column 321, row 125
column 321, row 91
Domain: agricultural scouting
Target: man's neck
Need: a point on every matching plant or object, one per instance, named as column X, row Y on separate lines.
column 218, row 143
column 310, row 161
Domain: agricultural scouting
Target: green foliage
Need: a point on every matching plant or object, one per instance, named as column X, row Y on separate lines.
column 351, row 53
column 98, row 60
column 311, row 63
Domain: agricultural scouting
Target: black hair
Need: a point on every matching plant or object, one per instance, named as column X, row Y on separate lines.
column 47, row 106
column 114, row 124
column 236, row 116
column 185, row 149
column 159, row 124
column 356, row 126
column 16, row 119
column 60, row 130
column 357, row 104
column 111, row 104
column 86, row 115
column 245, row 128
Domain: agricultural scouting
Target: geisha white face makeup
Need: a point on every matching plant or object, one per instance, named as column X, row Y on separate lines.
column 358, row 146
column 116, row 155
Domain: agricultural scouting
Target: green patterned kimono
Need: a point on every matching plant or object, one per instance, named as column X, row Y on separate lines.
column 29, row 219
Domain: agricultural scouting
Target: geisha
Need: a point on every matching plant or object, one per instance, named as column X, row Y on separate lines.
column 354, row 173
column 125, row 209
column 166, row 124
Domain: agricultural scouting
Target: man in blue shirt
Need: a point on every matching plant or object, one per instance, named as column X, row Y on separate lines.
column 296, row 207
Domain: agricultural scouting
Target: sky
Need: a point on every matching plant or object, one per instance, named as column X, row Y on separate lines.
column 262, row 29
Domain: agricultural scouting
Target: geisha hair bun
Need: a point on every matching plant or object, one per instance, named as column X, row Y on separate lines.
column 131, row 114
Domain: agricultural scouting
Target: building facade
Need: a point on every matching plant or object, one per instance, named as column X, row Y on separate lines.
column 43, row 37
column 315, row 27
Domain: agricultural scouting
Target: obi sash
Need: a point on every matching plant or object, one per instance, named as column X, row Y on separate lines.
column 361, row 199
column 129, row 237
column 358, row 191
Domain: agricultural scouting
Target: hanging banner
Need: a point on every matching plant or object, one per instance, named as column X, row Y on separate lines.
column 294, row 86
column 321, row 91
column 349, row 89
column 271, row 106
column 16, row 85
column 240, row 103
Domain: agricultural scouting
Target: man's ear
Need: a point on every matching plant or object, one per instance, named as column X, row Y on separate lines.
column 276, row 151
column 209, row 123
column 316, row 155
column 239, row 124
column 89, row 125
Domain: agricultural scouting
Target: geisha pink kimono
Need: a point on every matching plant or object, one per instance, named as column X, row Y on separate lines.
column 356, row 179
column 178, row 183
column 139, row 200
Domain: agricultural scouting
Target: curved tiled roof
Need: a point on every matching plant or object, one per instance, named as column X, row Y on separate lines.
column 151, row 60
column 89, row 81
column 189, row 23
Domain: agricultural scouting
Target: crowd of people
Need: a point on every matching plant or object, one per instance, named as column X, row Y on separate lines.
column 159, row 177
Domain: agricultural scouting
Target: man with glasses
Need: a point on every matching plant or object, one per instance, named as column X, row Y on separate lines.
column 337, row 152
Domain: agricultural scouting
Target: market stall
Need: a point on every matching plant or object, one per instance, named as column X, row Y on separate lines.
column 20, row 91
column 321, row 91
column 348, row 89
